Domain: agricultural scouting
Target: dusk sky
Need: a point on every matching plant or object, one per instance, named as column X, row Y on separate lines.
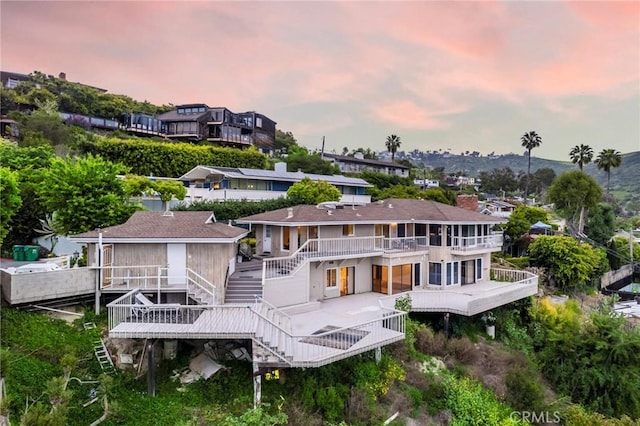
column 441, row 75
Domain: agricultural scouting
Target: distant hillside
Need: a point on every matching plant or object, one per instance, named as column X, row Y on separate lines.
column 625, row 180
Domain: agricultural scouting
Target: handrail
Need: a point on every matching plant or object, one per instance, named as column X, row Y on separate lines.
column 211, row 290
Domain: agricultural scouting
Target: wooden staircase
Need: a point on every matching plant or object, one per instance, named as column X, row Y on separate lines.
column 245, row 283
column 272, row 341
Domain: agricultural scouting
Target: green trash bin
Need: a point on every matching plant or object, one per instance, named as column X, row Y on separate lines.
column 18, row 253
column 31, row 253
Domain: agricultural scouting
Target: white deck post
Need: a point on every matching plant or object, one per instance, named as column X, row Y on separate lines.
column 257, row 385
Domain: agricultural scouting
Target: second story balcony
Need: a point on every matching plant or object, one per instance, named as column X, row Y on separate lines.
column 476, row 244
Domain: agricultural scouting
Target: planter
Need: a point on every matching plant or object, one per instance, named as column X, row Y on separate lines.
column 491, row 331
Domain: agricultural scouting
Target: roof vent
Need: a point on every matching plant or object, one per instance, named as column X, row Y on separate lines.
column 167, row 213
column 390, row 205
column 329, row 212
column 289, row 212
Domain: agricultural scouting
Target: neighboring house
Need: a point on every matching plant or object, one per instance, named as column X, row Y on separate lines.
column 225, row 183
column 426, row 183
column 359, row 164
column 498, row 208
column 186, row 253
column 10, row 80
column 199, row 122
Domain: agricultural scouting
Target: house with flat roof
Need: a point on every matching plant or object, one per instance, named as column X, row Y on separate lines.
column 359, row 164
column 199, row 122
column 225, row 183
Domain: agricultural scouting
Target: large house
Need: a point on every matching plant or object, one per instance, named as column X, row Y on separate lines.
column 324, row 285
column 226, row 183
column 358, row 163
column 199, row 122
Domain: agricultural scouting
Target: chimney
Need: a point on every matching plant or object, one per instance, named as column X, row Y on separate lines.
column 62, row 76
column 468, row 202
column 280, row 167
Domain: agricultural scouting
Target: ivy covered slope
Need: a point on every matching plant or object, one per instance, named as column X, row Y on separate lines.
column 146, row 157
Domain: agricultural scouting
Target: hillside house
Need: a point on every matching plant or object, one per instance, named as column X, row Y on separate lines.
column 358, row 163
column 227, row 183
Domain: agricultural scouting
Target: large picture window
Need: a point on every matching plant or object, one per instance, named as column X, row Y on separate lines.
column 401, row 278
column 380, row 279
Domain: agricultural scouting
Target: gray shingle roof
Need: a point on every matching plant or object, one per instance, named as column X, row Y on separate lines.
column 387, row 211
column 158, row 225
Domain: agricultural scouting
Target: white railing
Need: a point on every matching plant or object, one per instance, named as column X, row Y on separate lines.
column 406, row 244
column 197, row 281
column 143, row 276
column 267, row 325
column 230, row 319
column 513, row 276
column 476, row 243
column 280, row 267
column 314, row 350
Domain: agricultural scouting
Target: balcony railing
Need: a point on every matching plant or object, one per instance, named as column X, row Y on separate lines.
column 265, row 324
column 480, row 242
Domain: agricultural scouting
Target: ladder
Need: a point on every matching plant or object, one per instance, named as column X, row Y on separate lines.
column 103, row 357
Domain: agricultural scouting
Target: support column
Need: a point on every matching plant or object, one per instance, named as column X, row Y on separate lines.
column 257, row 385
column 151, row 370
column 446, row 325
column 378, row 354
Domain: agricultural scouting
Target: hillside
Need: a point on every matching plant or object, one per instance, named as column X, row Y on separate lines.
column 625, row 180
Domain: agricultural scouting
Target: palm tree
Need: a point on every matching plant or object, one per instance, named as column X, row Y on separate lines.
column 606, row 160
column 581, row 155
column 530, row 140
column 393, row 143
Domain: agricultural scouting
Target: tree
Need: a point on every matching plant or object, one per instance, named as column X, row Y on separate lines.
column 284, row 140
column 298, row 158
column 308, row 191
column 10, row 200
column 601, row 223
column 569, row 263
column 585, row 194
column 499, row 180
column 85, row 194
column 530, row 140
column 522, row 218
column 581, row 155
column 606, row 160
column 137, row 186
column 392, row 144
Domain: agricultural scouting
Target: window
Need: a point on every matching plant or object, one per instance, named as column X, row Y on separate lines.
column 402, row 230
column 479, row 269
column 258, row 121
column 435, row 235
column 417, row 274
column 401, row 278
column 285, row 238
column 380, row 279
column 332, row 278
column 435, row 273
column 453, row 273
column 347, row 230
